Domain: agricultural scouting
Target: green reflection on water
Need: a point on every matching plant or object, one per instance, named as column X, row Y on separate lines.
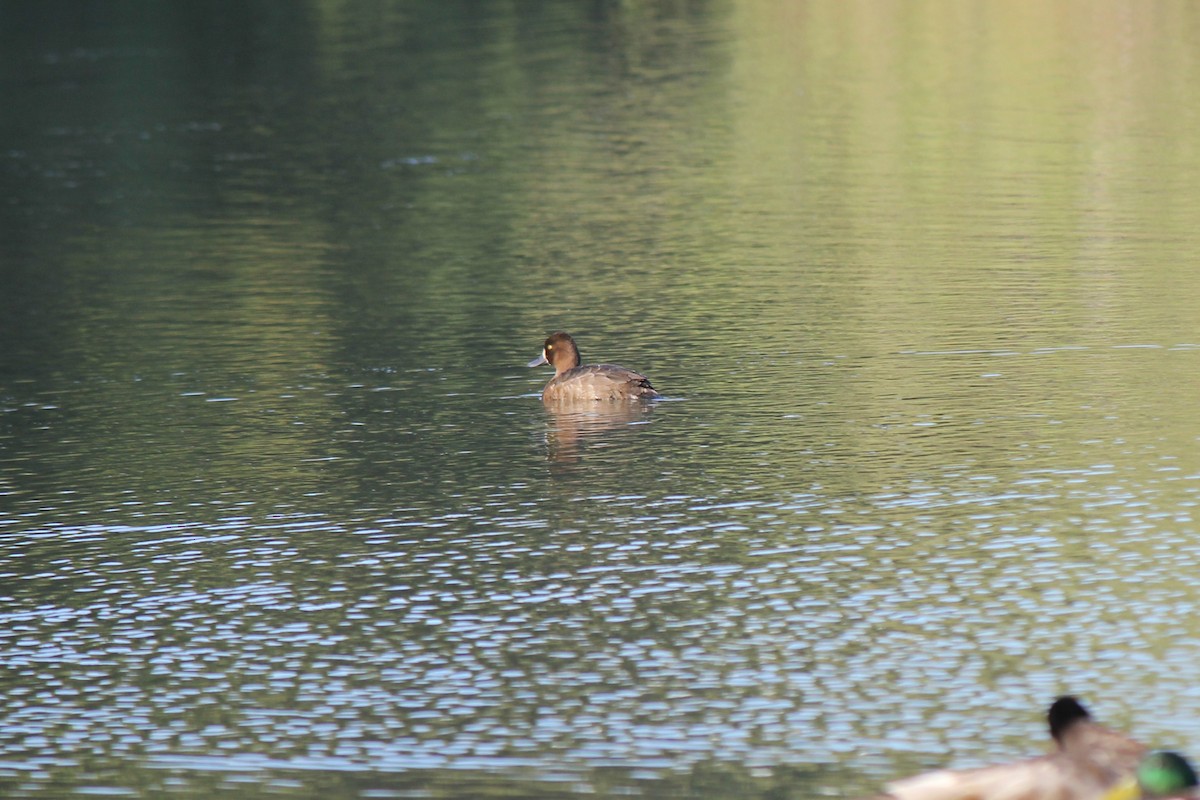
column 891, row 261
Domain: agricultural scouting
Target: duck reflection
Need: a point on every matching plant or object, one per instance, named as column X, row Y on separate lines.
column 572, row 426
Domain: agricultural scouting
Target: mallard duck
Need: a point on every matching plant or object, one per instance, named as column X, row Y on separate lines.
column 574, row 383
column 1091, row 762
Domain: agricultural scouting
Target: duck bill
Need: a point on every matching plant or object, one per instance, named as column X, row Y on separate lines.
column 1127, row 789
column 537, row 362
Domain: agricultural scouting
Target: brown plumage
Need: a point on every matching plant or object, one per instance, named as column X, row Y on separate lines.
column 574, row 381
column 1090, row 760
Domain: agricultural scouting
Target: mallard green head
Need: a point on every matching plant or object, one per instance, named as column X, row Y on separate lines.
column 1164, row 773
column 1161, row 774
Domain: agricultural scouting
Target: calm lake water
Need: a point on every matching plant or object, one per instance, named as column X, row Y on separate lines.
column 282, row 513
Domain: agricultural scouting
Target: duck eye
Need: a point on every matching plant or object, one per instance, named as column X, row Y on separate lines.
column 549, row 347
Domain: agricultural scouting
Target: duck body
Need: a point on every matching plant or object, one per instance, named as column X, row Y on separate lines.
column 1055, row 776
column 598, row 382
column 575, row 382
column 1090, row 762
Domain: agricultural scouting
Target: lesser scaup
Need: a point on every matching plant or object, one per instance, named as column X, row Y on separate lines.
column 573, row 382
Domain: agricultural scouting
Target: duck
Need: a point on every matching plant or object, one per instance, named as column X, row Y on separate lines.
column 575, row 381
column 1090, row 762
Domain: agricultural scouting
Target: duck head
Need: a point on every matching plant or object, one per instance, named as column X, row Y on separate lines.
column 559, row 351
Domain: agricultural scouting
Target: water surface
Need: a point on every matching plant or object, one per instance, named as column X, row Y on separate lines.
column 281, row 513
